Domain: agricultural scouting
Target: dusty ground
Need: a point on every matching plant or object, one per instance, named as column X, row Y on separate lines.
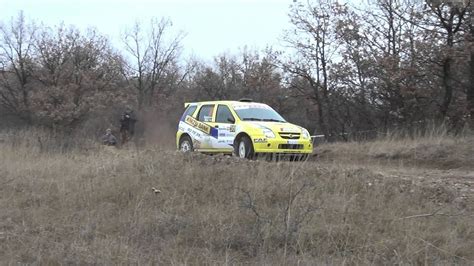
column 436, row 160
column 459, row 181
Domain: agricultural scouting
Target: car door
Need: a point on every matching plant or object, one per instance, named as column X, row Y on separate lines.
column 204, row 124
column 225, row 124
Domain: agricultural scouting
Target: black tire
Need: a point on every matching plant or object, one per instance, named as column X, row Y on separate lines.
column 243, row 148
column 186, row 144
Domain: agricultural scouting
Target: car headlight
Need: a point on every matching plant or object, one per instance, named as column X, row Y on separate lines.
column 305, row 134
column 268, row 133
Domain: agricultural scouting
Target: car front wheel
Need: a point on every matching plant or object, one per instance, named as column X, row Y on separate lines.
column 244, row 148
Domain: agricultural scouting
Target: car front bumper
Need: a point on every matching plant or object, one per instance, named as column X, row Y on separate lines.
column 285, row 146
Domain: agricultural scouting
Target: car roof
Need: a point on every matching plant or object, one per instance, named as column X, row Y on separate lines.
column 220, row 102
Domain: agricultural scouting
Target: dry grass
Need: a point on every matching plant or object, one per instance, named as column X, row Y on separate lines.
column 95, row 205
column 439, row 151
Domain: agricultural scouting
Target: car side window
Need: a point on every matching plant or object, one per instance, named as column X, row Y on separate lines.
column 205, row 113
column 224, row 115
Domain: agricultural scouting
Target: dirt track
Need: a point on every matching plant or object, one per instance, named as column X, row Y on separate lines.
column 444, row 185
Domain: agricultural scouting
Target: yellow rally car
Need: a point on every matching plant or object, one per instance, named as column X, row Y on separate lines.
column 244, row 128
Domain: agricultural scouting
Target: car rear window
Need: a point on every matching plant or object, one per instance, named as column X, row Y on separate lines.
column 189, row 111
column 205, row 113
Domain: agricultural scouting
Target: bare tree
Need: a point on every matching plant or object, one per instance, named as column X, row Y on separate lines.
column 245, row 75
column 261, row 76
column 314, row 32
column 221, row 80
column 152, row 57
column 450, row 17
column 16, row 66
column 76, row 73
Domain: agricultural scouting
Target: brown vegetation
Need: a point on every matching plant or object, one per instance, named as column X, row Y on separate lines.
column 349, row 68
column 95, row 205
column 439, row 151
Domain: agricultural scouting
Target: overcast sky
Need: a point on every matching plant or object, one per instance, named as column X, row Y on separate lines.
column 211, row 26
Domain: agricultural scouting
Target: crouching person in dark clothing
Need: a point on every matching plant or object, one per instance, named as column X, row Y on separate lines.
column 108, row 138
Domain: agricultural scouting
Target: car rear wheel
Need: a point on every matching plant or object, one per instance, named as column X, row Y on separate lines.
column 244, row 148
column 186, row 144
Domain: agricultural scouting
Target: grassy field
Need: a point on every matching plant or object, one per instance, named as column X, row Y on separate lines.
column 438, row 151
column 383, row 202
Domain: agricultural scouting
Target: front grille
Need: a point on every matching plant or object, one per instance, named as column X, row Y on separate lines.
column 291, row 146
column 285, row 135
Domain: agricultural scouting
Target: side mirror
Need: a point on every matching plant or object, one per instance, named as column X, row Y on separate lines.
column 231, row 120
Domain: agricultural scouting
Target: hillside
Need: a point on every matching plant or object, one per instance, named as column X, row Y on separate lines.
column 377, row 202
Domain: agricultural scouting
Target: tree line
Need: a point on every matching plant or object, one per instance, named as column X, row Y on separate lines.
column 349, row 68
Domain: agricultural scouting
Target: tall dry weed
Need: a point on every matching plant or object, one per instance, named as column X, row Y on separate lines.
column 97, row 206
column 434, row 147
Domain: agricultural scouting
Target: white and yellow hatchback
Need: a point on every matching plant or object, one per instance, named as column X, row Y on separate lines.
column 244, row 128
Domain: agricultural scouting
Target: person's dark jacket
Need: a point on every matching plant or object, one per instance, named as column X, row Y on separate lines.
column 127, row 122
column 109, row 139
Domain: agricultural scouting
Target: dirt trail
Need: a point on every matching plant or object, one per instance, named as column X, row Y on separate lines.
column 455, row 183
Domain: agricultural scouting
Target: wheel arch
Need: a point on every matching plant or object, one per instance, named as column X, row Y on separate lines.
column 239, row 136
column 183, row 135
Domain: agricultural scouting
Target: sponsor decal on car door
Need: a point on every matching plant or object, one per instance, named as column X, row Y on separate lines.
column 199, row 128
column 225, row 123
column 225, row 137
column 204, row 135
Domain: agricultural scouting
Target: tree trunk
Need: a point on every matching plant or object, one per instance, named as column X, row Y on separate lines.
column 322, row 114
column 470, row 88
column 448, row 89
column 141, row 99
column 322, row 122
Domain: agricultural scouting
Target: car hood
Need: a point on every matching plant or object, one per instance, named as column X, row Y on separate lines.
column 276, row 126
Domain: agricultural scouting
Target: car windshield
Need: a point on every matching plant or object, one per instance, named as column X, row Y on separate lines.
column 257, row 112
